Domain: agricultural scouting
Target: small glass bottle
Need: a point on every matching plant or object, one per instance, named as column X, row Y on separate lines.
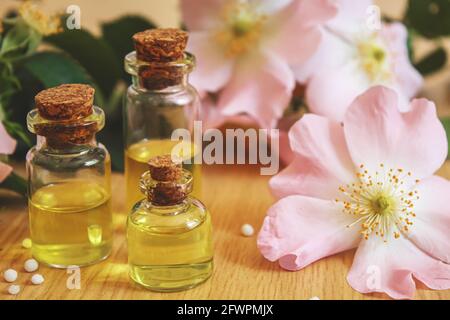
column 169, row 233
column 159, row 101
column 69, row 175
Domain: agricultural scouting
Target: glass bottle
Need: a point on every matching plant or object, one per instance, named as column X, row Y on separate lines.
column 159, row 101
column 169, row 233
column 69, row 174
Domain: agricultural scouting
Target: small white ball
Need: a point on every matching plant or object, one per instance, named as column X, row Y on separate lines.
column 314, row 298
column 247, row 230
column 31, row 265
column 37, row 279
column 14, row 289
column 10, row 275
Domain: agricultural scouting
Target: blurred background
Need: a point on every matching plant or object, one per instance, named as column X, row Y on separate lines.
column 95, row 53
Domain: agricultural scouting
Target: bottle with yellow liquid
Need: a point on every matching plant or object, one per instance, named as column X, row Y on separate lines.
column 159, row 101
column 169, row 233
column 69, row 175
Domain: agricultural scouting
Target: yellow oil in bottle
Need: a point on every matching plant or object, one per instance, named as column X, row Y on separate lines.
column 169, row 252
column 137, row 155
column 71, row 223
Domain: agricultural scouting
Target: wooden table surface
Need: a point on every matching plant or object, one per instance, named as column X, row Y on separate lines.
column 235, row 195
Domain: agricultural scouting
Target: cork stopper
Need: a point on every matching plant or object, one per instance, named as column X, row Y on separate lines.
column 65, row 102
column 168, row 184
column 163, row 168
column 161, row 49
column 64, row 111
column 160, row 45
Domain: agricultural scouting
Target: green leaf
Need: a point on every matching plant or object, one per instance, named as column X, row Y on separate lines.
column 118, row 35
column 95, row 55
column 53, row 68
column 429, row 17
column 432, row 62
column 15, row 183
column 113, row 140
column 446, row 124
column 19, row 41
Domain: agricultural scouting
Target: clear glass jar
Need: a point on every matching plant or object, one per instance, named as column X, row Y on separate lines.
column 69, row 191
column 169, row 244
column 153, row 109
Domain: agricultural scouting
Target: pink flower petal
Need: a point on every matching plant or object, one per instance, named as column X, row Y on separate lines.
column 201, row 14
column 352, row 15
column 330, row 92
column 322, row 60
column 213, row 69
column 261, row 88
column 7, row 144
column 376, row 132
column 322, row 162
column 5, row 170
column 431, row 229
column 389, row 267
column 301, row 17
column 299, row 230
column 408, row 79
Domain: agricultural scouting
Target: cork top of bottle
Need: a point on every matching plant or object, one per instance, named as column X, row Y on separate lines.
column 66, row 116
column 166, row 183
column 65, row 102
column 164, row 168
column 160, row 45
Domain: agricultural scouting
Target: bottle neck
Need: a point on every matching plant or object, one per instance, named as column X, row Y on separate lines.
column 167, row 210
column 166, row 194
column 55, row 146
column 159, row 76
column 141, row 84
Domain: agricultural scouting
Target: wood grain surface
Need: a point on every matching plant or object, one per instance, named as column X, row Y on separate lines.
column 235, row 195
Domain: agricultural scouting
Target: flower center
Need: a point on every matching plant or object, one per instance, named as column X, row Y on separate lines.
column 383, row 205
column 242, row 28
column 374, row 60
column 382, row 202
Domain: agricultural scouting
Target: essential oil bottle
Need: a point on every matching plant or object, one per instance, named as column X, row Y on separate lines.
column 68, row 179
column 169, row 233
column 159, row 101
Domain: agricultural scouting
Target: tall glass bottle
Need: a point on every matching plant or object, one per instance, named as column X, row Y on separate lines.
column 169, row 233
column 159, row 101
column 68, row 179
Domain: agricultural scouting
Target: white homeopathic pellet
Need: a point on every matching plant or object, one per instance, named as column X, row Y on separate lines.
column 10, row 275
column 31, row 265
column 247, row 230
column 14, row 289
column 37, row 279
column 315, row 298
column 27, row 243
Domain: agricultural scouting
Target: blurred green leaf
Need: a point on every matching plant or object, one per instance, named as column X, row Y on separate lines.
column 15, row 183
column 19, row 41
column 114, row 103
column 93, row 54
column 118, row 35
column 113, row 140
column 432, row 62
column 431, row 18
column 446, row 124
column 53, row 68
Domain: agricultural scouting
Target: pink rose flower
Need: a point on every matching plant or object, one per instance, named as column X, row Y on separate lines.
column 245, row 49
column 7, row 146
column 366, row 184
column 353, row 57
